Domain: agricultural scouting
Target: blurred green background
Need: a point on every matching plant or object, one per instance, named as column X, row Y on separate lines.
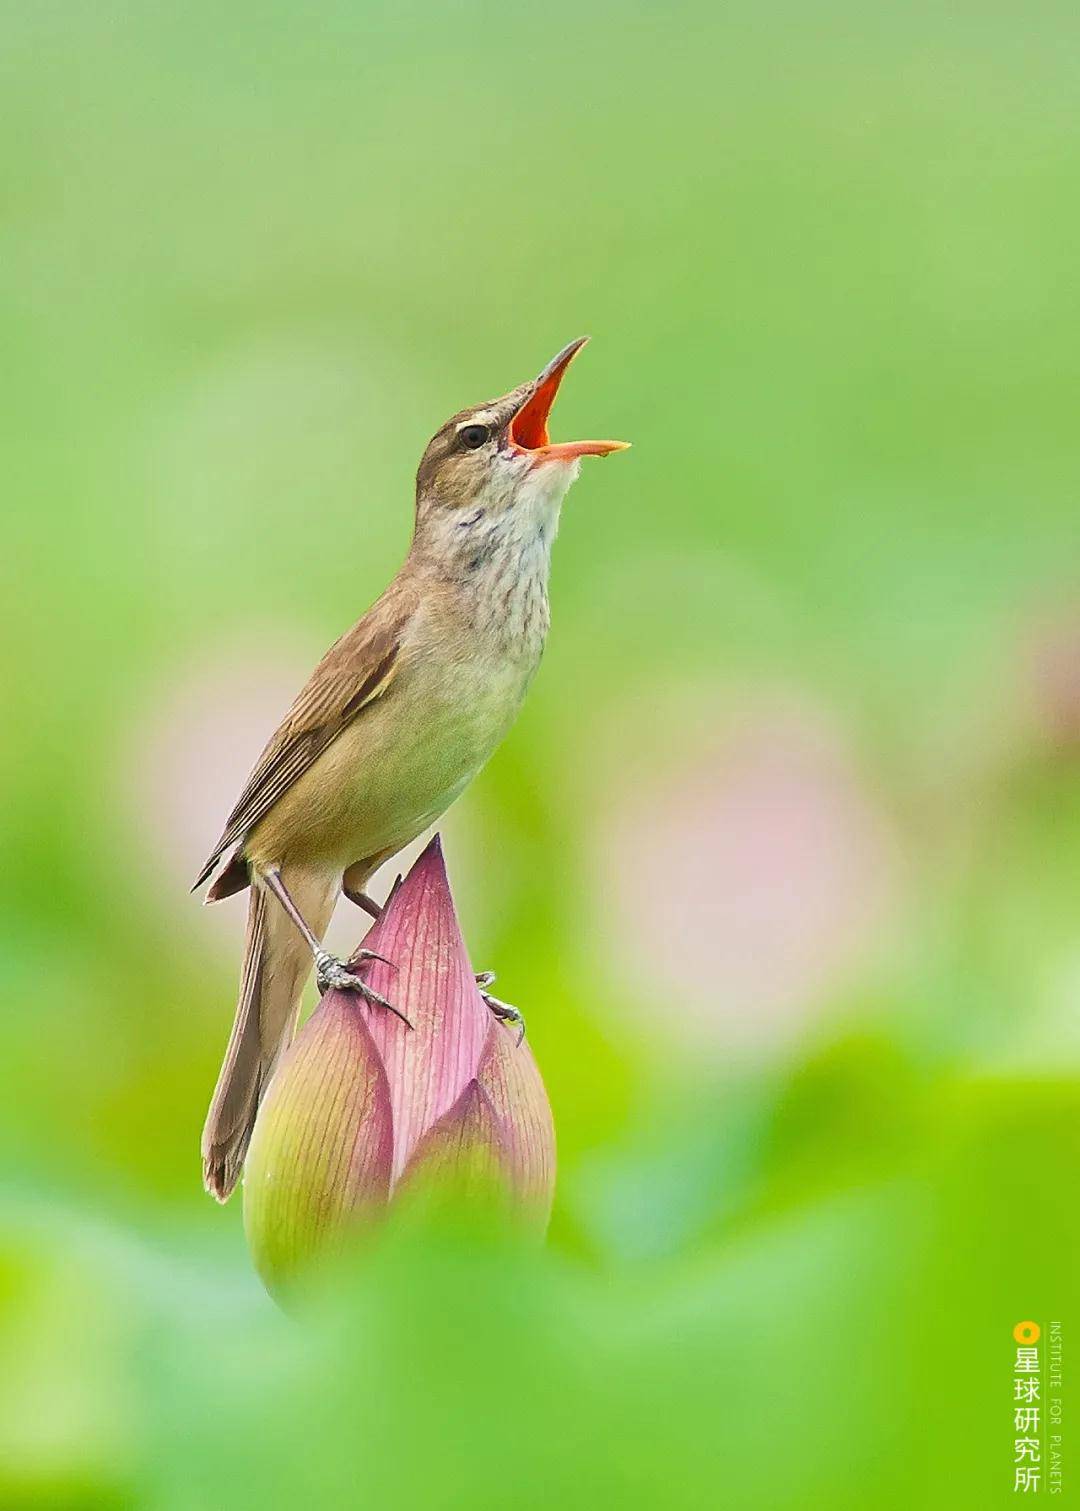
column 782, row 861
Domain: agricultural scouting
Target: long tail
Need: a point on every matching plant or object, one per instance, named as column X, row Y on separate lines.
column 277, row 963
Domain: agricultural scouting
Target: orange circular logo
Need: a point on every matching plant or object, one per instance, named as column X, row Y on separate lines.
column 1027, row 1332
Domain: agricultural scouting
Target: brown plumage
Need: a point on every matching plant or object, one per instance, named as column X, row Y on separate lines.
column 355, row 670
column 397, row 717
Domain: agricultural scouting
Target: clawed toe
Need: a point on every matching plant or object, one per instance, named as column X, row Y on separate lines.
column 361, row 955
column 504, row 1011
column 369, row 995
column 332, row 975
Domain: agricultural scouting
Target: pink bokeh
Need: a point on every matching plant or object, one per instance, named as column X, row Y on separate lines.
column 746, row 880
column 188, row 756
column 1054, row 679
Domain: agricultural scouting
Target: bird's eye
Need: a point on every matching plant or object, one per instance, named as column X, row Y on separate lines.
column 474, row 436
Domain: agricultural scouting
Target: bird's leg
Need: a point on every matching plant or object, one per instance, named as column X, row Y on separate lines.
column 502, row 1010
column 330, row 972
column 362, row 900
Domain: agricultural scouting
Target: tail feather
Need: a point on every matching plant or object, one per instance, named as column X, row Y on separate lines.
column 234, row 878
column 277, row 963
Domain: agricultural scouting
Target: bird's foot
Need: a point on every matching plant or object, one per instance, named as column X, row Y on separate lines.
column 501, row 1010
column 332, row 974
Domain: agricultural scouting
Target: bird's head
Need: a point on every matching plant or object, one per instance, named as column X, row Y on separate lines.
column 496, row 462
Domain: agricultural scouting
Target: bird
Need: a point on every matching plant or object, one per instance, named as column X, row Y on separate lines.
column 394, row 722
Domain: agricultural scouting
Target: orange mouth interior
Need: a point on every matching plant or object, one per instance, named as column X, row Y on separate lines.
column 529, row 428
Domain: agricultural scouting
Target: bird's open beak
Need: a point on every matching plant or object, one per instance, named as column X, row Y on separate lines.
column 528, row 428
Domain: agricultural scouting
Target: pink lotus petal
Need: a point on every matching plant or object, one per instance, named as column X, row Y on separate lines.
column 362, row 1104
column 509, row 1075
column 464, row 1152
column 322, row 1148
column 432, row 983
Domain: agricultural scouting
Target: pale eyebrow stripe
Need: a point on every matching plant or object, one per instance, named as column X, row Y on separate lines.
column 481, row 417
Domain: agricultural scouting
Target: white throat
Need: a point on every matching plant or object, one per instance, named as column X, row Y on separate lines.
column 500, row 548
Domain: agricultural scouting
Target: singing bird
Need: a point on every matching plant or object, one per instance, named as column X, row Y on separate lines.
column 394, row 722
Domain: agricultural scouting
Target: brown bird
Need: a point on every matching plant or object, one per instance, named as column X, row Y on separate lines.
column 394, row 722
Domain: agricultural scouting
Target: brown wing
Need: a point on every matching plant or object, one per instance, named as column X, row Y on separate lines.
column 355, row 671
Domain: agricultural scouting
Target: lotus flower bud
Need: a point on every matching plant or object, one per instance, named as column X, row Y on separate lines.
column 362, row 1109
